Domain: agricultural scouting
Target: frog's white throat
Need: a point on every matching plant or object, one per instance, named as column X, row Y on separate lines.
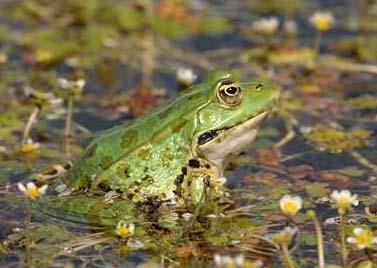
column 230, row 142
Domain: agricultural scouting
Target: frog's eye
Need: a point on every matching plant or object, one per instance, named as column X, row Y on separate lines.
column 230, row 93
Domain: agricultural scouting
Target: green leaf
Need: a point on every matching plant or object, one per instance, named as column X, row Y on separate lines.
column 215, row 25
column 366, row 264
column 316, row 189
column 168, row 28
column 352, row 171
column 129, row 19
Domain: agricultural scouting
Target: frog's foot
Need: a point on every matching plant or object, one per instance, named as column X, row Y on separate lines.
column 200, row 184
column 51, row 172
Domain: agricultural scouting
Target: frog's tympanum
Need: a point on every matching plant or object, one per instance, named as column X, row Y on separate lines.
column 180, row 150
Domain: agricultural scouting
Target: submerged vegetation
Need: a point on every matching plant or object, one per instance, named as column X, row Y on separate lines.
column 303, row 195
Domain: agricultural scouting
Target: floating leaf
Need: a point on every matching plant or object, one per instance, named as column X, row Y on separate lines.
column 333, row 140
column 215, row 25
column 363, row 102
column 307, row 239
column 352, row 171
column 317, row 189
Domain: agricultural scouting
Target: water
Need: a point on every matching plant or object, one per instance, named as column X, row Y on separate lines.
column 106, row 52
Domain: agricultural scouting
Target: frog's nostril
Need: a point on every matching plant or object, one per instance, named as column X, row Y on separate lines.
column 259, row 86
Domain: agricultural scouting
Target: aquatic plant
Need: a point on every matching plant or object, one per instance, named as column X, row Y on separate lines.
column 321, row 21
column 290, row 205
column 283, row 239
column 266, row 26
column 124, row 230
column 310, row 214
column 74, row 89
column 344, row 201
column 40, row 100
column 335, row 140
column 31, row 192
column 362, row 238
column 186, row 76
column 238, row 261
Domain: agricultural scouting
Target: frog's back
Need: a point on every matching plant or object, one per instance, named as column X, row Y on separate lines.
column 107, row 149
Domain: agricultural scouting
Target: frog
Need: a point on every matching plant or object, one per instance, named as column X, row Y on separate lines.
column 179, row 151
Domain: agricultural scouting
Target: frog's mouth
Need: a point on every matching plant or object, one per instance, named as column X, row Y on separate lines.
column 218, row 144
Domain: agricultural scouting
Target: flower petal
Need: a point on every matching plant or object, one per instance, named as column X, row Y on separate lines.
column 43, row 189
column 21, row 187
column 31, row 186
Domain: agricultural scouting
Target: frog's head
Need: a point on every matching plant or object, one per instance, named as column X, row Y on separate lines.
column 229, row 120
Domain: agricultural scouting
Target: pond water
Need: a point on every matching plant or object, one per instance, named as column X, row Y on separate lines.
column 320, row 138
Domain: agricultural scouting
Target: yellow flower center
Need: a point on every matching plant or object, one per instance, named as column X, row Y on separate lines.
column 122, row 231
column 27, row 147
column 290, row 207
column 365, row 238
column 322, row 24
column 343, row 202
column 32, row 192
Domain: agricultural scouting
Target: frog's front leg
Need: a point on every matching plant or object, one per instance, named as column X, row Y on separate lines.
column 201, row 184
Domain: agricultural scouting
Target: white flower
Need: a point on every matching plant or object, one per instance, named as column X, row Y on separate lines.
column 266, row 26
column 75, row 87
column 124, row 230
column 290, row 27
column 31, row 191
column 135, row 244
column 29, row 146
column 186, row 76
column 290, row 205
column 228, row 261
column 42, row 98
column 344, row 199
column 362, row 238
column 322, row 20
column 285, row 236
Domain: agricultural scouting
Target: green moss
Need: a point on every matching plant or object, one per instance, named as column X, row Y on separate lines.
column 363, row 102
column 327, row 138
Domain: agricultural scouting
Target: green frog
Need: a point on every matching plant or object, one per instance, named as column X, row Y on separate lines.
column 179, row 151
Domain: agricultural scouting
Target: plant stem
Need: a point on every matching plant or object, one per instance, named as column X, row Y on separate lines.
column 148, row 53
column 343, row 239
column 363, row 161
column 318, row 230
column 369, row 254
column 317, row 44
column 29, row 124
column 68, row 119
column 27, row 236
column 287, row 256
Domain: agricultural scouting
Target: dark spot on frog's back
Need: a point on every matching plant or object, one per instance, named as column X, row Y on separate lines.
column 194, row 163
column 106, row 162
column 130, row 137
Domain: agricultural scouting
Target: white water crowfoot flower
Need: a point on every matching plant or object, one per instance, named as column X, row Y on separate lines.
column 29, row 146
column 124, row 230
column 185, row 76
column 344, row 200
column 42, row 99
column 362, row 238
column 290, row 28
column 285, row 236
column 266, row 26
column 322, row 20
column 225, row 261
column 32, row 191
column 290, row 205
column 75, row 88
